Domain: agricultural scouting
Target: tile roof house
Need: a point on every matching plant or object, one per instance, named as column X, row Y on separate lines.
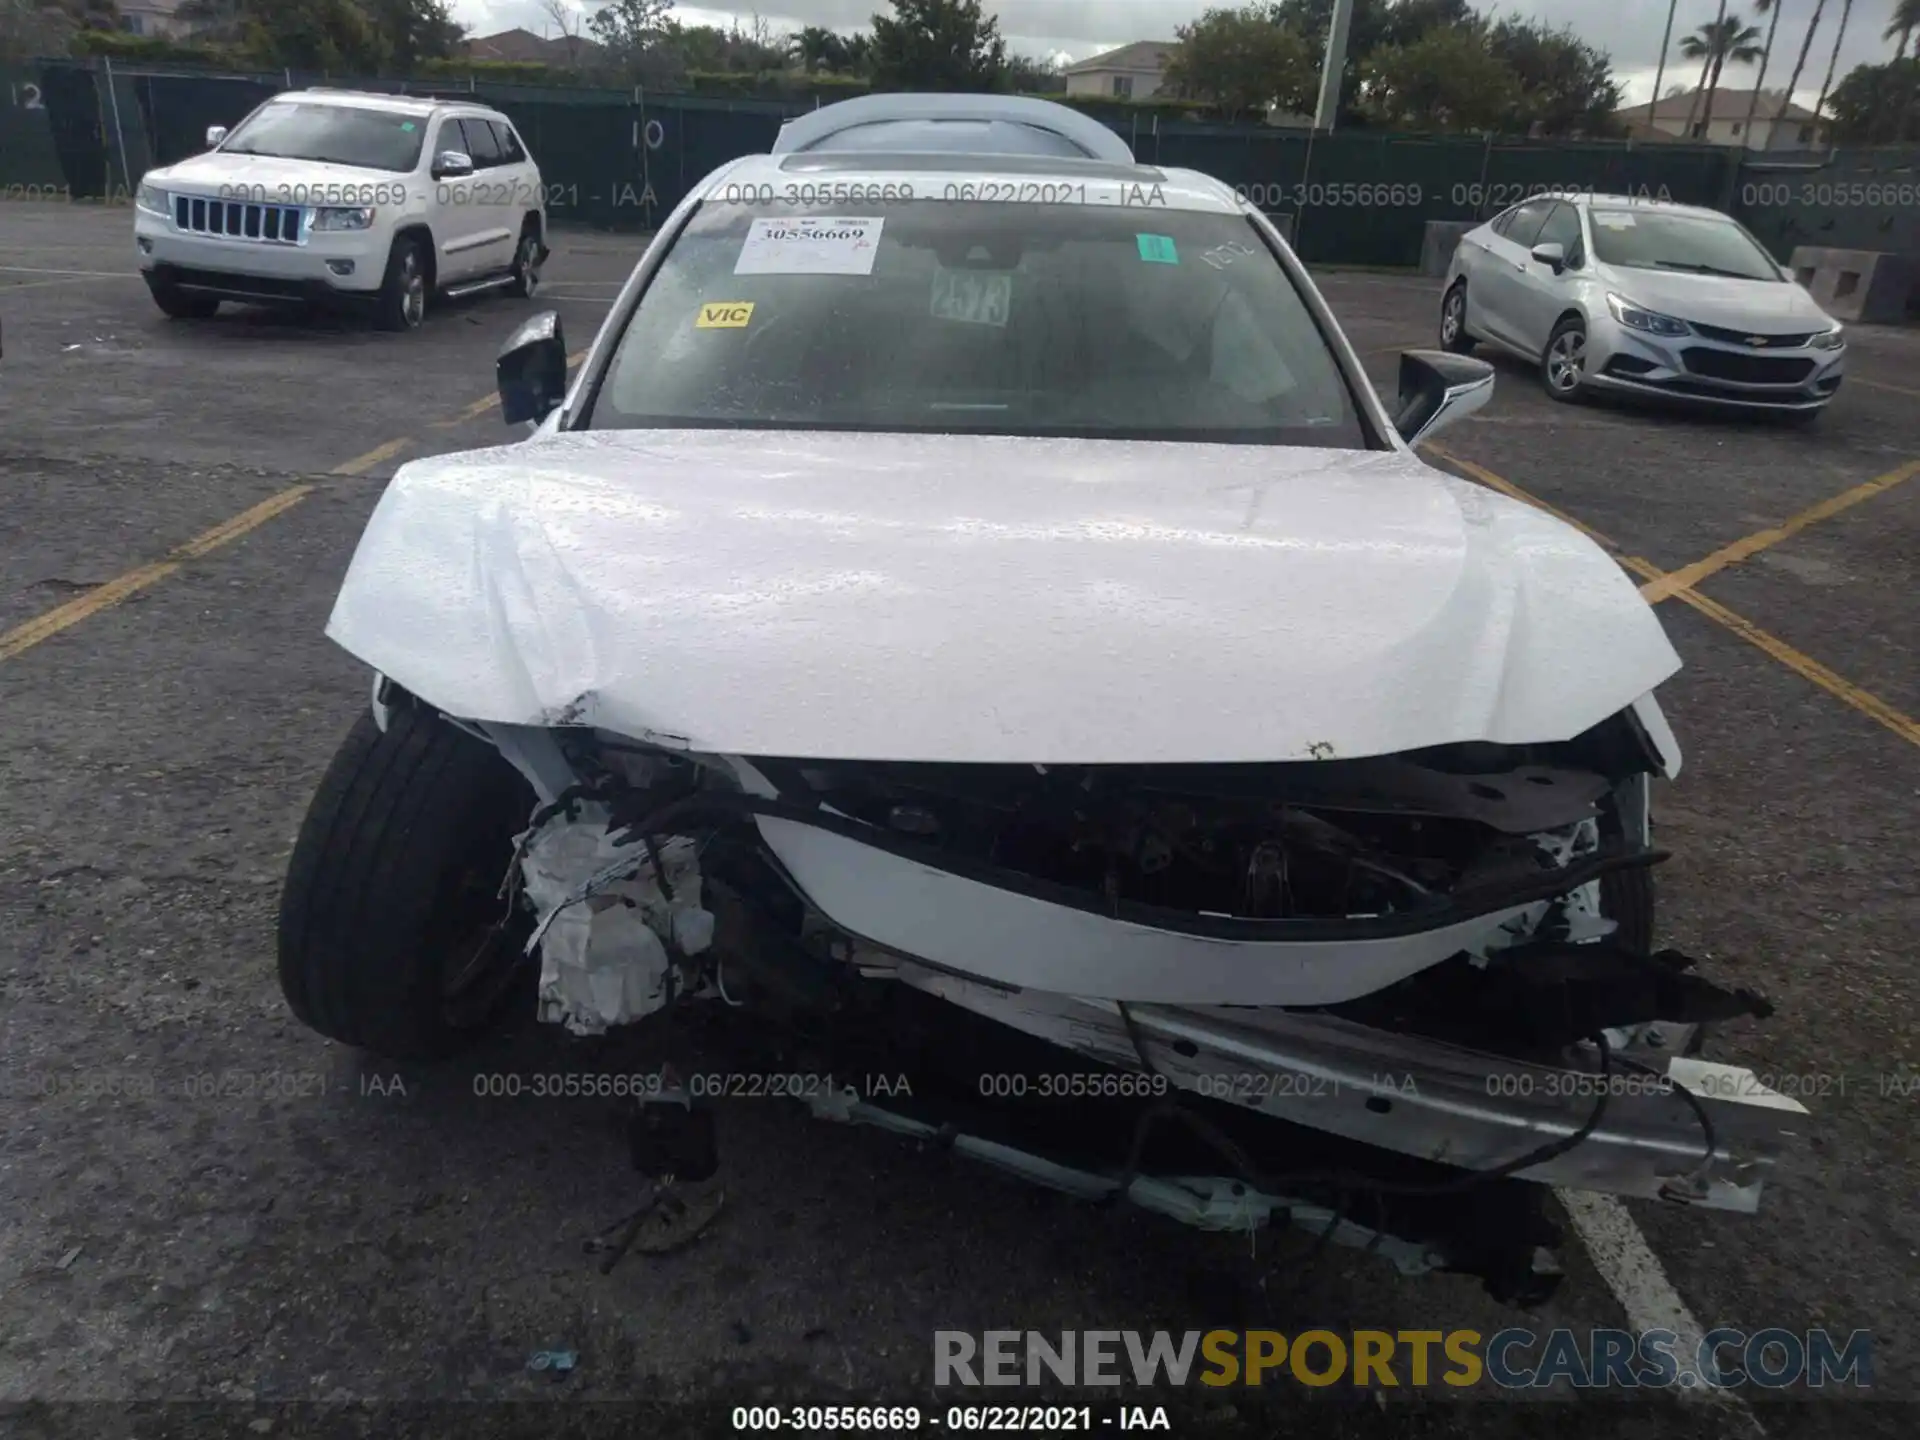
column 522, row 45
column 1682, row 118
column 1133, row 72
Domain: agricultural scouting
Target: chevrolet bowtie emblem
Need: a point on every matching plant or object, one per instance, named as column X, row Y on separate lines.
column 1756, row 339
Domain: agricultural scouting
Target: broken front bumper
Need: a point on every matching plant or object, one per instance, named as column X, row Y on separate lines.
column 1437, row 1102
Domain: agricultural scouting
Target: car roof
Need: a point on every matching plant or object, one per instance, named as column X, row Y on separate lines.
column 942, row 141
column 1643, row 202
column 1146, row 187
column 396, row 104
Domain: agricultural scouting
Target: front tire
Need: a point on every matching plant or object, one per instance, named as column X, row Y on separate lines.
column 402, row 304
column 1453, row 321
column 389, row 938
column 526, row 263
column 1563, row 368
column 177, row 304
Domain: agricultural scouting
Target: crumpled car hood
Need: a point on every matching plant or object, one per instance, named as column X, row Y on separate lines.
column 990, row 599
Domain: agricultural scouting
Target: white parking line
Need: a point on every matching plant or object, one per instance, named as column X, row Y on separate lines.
column 1634, row 1274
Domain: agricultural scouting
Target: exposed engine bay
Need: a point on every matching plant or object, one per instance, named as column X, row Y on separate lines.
column 1251, row 992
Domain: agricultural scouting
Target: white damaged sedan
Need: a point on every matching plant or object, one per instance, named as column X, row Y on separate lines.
column 971, row 613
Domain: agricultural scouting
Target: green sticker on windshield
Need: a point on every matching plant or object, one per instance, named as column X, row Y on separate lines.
column 1158, row 249
column 406, row 125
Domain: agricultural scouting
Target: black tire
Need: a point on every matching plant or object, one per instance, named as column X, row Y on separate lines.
column 404, row 293
column 1458, row 342
column 390, row 892
column 177, row 304
column 527, row 258
column 1569, row 334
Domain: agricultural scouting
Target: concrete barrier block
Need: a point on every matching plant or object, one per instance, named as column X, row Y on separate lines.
column 1439, row 243
column 1866, row 287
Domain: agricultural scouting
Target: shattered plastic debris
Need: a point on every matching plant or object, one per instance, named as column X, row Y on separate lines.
column 605, row 924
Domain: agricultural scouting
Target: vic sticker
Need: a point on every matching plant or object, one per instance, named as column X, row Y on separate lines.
column 725, row 315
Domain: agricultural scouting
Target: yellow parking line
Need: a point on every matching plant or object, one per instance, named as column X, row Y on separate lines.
column 1867, row 703
column 1507, row 487
column 104, row 597
column 1687, row 576
column 491, row 402
column 1882, row 385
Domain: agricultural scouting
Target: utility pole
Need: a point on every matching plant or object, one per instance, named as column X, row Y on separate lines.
column 1334, row 67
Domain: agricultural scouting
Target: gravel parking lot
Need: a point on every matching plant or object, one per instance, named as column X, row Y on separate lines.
column 210, row 1214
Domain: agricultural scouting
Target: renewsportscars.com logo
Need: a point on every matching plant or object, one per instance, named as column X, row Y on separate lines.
column 1511, row 1359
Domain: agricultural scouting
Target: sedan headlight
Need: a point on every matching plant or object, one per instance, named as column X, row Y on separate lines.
column 1635, row 318
column 343, row 217
column 1830, row 339
column 150, row 198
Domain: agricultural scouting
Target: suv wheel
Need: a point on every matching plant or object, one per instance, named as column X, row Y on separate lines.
column 403, row 294
column 393, row 937
column 177, row 304
column 526, row 263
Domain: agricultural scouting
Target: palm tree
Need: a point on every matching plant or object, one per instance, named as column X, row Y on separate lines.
column 1700, row 90
column 1906, row 19
column 814, row 46
column 1846, row 14
column 1806, row 45
column 1728, row 38
column 1753, row 101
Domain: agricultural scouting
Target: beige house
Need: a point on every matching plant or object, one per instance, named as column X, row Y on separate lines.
column 1683, row 118
column 155, row 18
column 1133, row 72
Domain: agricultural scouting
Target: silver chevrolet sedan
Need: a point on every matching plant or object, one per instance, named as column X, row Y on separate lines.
column 1606, row 292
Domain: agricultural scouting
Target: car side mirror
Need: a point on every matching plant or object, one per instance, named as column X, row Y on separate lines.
column 1438, row 389
column 532, row 370
column 215, row 134
column 452, row 165
column 1552, row 253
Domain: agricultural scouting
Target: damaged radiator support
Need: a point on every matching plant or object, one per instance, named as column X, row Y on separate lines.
column 627, row 923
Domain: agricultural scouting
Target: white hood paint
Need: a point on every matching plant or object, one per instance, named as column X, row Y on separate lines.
column 219, row 171
column 990, row 600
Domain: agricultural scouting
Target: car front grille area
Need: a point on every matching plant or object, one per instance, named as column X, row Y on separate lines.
column 1746, row 369
column 238, row 220
column 1746, row 338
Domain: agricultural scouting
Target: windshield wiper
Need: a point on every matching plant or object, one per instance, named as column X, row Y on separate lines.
column 1697, row 268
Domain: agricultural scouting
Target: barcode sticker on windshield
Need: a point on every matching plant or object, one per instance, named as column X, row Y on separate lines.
column 1613, row 219
column 973, row 297
column 811, row 245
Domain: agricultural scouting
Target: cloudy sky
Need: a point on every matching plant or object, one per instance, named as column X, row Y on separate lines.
column 1628, row 30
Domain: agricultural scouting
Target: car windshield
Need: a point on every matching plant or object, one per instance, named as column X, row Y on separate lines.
column 1701, row 244
column 1087, row 320
column 338, row 134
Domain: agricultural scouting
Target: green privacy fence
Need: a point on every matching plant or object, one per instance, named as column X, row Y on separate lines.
column 621, row 160
column 1855, row 200
column 29, row 163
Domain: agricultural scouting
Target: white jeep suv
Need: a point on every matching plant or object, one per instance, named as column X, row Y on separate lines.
column 332, row 197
